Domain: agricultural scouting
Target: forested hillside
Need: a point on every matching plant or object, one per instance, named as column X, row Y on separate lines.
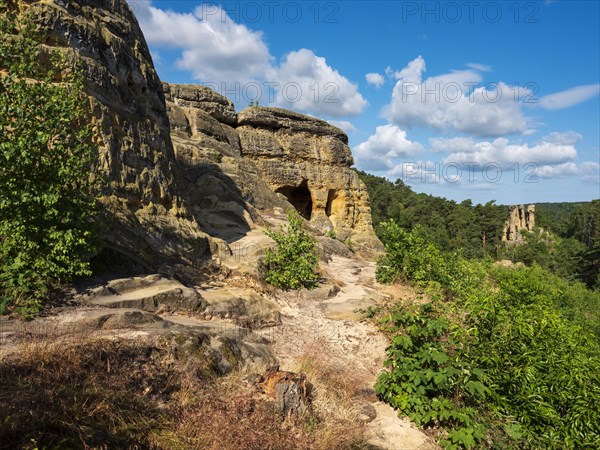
column 566, row 240
column 570, row 246
column 555, row 216
column 494, row 357
column 474, row 229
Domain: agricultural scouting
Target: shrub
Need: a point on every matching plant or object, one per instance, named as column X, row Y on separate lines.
column 293, row 263
column 46, row 153
column 501, row 358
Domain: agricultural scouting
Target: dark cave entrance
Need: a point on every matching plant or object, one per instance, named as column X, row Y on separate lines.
column 299, row 197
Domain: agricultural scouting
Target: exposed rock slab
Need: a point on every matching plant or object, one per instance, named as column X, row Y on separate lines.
column 388, row 432
column 241, row 305
column 147, row 293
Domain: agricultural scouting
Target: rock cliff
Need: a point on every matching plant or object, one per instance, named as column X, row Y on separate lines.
column 519, row 218
column 182, row 172
column 269, row 151
column 141, row 187
column 308, row 161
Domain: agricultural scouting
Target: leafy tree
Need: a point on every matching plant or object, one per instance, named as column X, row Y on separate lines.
column 46, row 153
column 584, row 225
column 293, row 264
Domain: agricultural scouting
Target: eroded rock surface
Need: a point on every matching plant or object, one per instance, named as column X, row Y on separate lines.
column 275, row 157
column 308, row 161
column 519, row 218
column 182, row 172
column 141, row 189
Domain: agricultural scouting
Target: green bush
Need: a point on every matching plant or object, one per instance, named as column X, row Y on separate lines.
column 293, row 264
column 408, row 256
column 46, row 153
column 500, row 358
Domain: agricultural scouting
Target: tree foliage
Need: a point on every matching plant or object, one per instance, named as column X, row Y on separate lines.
column 293, row 264
column 572, row 251
column 474, row 229
column 46, row 152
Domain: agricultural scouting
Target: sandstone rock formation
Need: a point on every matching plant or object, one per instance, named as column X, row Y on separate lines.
column 141, row 189
column 183, row 175
column 519, row 218
column 269, row 151
column 308, row 161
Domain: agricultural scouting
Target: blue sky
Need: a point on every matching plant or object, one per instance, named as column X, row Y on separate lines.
column 487, row 100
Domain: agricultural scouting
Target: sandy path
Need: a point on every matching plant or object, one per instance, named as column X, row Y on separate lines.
column 309, row 329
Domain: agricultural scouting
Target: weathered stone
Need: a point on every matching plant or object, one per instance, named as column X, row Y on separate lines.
column 200, row 97
column 141, row 192
column 519, row 218
column 308, row 162
column 182, row 172
column 241, row 305
column 277, row 119
column 147, row 293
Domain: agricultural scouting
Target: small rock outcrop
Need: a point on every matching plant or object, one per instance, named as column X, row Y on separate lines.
column 519, row 218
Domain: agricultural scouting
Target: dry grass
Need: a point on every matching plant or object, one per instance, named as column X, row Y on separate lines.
column 339, row 397
column 126, row 394
column 84, row 396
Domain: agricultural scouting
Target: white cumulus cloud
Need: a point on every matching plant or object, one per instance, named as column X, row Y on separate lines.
column 213, row 47
column 587, row 171
column 455, row 101
column 309, row 84
column 503, row 153
column 218, row 51
column 380, row 149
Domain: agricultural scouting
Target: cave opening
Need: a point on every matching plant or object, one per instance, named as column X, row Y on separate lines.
column 299, row 197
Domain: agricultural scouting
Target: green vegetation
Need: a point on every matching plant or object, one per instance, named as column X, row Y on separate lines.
column 569, row 246
column 476, row 230
column 46, row 151
column 496, row 357
column 293, row 264
column 572, row 248
column 554, row 217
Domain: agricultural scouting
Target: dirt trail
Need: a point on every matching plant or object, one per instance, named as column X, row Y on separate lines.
column 328, row 329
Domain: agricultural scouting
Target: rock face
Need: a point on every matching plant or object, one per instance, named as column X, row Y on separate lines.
column 182, row 173
column 308, row 161
column 269, row 151
column 519, row 218
column 141, row 187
